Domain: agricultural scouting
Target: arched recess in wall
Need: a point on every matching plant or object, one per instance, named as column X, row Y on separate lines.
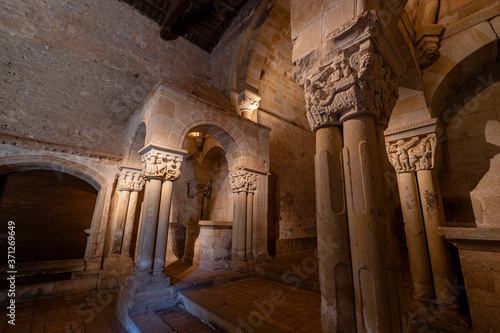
column 245, row 49
column 470, row 184
column 57, row 206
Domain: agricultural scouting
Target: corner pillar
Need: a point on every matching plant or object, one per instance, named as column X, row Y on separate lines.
column 161, row 166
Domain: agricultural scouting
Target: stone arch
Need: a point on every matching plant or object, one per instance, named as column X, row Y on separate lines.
column 235, row 147
column 135, row 143
column 27, row 162
column 247, row 60
column 457, row 62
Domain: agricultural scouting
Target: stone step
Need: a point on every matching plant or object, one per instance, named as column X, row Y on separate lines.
column 224, row 317
column 148, row 322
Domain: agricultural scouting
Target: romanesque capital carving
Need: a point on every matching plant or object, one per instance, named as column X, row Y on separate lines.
column 130, row 179
column 243, row 181
column 248, row 101
column 160, row 164
column 351, row 86
column 354, row 73
column 413, row 154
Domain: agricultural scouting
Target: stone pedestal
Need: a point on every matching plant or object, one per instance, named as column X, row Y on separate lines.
column 192, row 233
column 479, row 250
column 114, row 271
column 144, row 293
column 212, row 250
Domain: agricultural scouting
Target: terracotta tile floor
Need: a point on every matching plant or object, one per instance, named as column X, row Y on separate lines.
column 292, row 309
column 82, row 312
column 183, row 322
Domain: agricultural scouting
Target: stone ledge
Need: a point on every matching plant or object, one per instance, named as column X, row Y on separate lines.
column 479, row 239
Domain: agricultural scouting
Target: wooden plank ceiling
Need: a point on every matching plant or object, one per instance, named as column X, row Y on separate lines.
column 202, row 22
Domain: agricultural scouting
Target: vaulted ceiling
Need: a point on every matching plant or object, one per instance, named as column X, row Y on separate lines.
column 203, row 22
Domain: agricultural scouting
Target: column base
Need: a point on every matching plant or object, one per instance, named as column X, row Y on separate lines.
column 115, row 270
column 242, row 266
column 144, row 293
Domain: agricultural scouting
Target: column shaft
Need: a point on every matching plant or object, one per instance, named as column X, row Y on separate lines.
column 129, row 223
column 335, row 271
column 433, row 214
column 239, row 225
column 415, row 236
column 367, row 225
column 147, row 232
column 163, row 220
column 120, row 217
column 249, row 226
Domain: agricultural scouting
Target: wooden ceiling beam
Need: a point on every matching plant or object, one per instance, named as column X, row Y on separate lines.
column 173, row 14
column 152, row 6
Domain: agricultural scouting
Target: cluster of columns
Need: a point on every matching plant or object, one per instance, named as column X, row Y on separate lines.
column 348, row 101
column 414, row 161
column 130, row 183
column 243, row 184
column 161, row 167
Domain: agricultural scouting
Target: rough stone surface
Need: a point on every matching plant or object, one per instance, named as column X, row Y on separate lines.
column 88, row 62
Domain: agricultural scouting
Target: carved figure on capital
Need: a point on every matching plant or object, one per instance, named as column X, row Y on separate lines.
column 359, row 83
column 163, row 166
column 413, row 155
column 243, row 181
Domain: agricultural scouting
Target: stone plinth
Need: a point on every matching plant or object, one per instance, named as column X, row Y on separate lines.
column 144, row 293
column 212, row 248
column 479, row 250
column 114, row 271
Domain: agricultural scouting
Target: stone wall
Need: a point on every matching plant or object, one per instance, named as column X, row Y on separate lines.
column 292, row 207
column 470, row 183
column 75, row 71
column 280, row 94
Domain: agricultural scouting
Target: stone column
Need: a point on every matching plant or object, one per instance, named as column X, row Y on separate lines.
column 248, row 102
column 354, row 84
column 432, row 209
column 252, row 186
column 335, row 271
column 162, row 234
column 129, row 223
column 129, row 184
column 414, row 160
column 242, row 182
column 120, row 216
column 159, row 164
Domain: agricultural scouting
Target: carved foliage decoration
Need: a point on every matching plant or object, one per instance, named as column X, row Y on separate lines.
column 130, row 180
column 161, row 165
column 359, row 84
column 248, row 101
column 414, row 154
column 243, row 182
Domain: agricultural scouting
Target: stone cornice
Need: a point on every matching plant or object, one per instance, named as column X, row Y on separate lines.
column 57, row 148
column 414, row 154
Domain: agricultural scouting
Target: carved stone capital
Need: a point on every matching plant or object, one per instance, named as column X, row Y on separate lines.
column 243, row 181
column 356, row 73
column 130, row 179
column 248, row 102
column 161, row 163
column 351, row 86
column 414, row 154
